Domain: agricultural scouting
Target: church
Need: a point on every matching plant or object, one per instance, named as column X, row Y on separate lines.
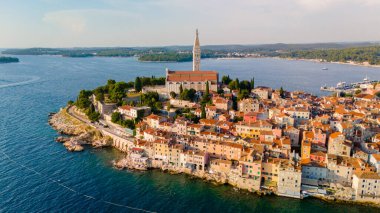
column 195, row 79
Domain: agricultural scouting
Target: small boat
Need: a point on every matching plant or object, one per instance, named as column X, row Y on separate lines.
column 325, row 68
column 366, row 79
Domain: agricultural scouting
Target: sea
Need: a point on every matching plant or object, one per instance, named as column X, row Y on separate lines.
column 39, row 175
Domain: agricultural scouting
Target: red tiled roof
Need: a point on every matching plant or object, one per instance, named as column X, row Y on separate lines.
column 192, row 76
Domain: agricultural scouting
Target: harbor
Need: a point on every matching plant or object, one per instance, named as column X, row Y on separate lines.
column 350, row 87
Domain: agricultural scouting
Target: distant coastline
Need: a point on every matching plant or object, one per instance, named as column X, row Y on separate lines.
column 364, row 64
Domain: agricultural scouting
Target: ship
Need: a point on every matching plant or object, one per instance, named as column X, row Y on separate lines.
column 342, row 85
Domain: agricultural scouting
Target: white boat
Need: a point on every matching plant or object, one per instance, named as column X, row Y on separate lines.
column 366, row 79
column 341, row 84
column 325, row 68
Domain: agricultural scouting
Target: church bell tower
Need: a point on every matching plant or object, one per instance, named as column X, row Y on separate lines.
column 196, row 53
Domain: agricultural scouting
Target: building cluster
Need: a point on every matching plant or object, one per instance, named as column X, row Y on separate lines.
column 291, row 143
column 283, row 144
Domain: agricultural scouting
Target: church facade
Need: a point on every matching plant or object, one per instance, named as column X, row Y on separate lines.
column 195, row 79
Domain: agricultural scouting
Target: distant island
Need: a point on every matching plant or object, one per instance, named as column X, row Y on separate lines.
column 172, row 57
column 4, row 60
column 364, row 53
column 178, row 57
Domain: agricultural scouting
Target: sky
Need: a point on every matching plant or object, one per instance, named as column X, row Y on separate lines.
column 110, row 23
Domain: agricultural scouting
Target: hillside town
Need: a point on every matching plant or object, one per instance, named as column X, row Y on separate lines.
column 266, row 140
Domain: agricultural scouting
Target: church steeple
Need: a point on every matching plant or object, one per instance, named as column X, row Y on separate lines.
column 196, row 53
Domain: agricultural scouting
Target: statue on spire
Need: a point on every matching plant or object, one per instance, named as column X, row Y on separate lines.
column 196, row 53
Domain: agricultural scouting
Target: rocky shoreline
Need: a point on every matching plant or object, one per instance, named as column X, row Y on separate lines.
column 75, row 134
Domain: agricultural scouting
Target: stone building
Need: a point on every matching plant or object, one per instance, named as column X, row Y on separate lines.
column 195, row 79
column 366, row 186
column 338, row 145
column 249, row 105
column 289, row 180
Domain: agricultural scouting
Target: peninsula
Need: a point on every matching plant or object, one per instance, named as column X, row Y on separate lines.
column 264, row 140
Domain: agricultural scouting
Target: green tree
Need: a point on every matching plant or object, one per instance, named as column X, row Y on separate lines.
column 173, row 94
column 233, row 85
column 203, row 113
column 180, row 89
column 234, row 103
column 237, row 83
column 168, row 106
column 192, row 117
column 99, row 93
column 115, row 117
column 83, row 101
column 138, row 84
column 253, row 83
column 243, row 94
column 158, row 105
column 282, row 93
column 117, row 93
column 92, row 114
column 207, row 93
column 220, row 91
column 226, row 79
column 110, row 82
column 188, row 94
column 245, row 85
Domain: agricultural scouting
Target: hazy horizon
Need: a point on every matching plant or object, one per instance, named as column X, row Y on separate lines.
column 157, row 23
column 191, row 45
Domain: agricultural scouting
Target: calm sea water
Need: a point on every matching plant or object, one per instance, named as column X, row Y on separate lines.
column 38, row 174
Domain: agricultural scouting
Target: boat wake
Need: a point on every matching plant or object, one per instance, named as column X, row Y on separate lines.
column 33, row 79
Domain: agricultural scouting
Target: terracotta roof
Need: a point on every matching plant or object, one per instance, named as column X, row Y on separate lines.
column 153, row 116
column 335, row 135
column 367, row 175
column 126, row 107
column 192, row 76
column 318, row 153
column 376, row 156
column 208, row 121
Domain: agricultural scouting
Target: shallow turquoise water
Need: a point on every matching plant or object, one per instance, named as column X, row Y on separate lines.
column 41, row 84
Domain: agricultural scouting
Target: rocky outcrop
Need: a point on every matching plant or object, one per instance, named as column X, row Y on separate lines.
column 78, row 133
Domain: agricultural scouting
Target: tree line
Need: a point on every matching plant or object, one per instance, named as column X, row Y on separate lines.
column 357, row 54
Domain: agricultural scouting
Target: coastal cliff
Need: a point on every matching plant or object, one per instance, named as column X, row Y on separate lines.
column 75, row 133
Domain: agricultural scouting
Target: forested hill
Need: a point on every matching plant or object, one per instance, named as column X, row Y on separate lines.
column 358, row 52
column 369, row 54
